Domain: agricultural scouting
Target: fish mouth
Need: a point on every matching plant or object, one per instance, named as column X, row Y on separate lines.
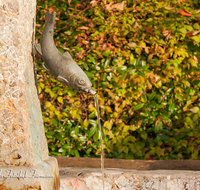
column 90, row 91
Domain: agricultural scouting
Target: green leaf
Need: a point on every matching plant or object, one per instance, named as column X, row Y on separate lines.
column 76, row 153
column 195, row 82
column 76, row 130
column 189, row 27
column 58, row 136
column 139, row 153
column 122, row 68
column 171, row 107
column 188, row 92
column 179, row 97
column 90, row 75
column 169, row 90
column 126, row 149
column 144, row 135
column 61, row 50
column 120, row 148
column 196, row 38
column 92, row 59
column 154, row 104
column 56, row 88
column 183, row 30
column 149, row 20
column 49, row 134
column 55, row 123
column 158, row 126
column 88, row 150
column 129, row 139
column 139, row 106
column 92, row 131
column 151, row 96
column 106, row 53
column 66, row 146
column 165, row 118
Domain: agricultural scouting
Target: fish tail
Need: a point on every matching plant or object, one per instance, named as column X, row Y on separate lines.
column 50, row 17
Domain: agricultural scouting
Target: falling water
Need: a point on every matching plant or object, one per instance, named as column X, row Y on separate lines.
column 100, row 137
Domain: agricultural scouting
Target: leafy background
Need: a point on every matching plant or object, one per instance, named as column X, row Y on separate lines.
column 142, row 57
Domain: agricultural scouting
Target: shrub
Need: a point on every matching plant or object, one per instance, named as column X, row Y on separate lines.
column 142, row 58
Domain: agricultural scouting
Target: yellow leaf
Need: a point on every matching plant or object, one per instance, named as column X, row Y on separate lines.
column 146, row 50
column 47, row 104
column 59, row 116
column 138, row 50
column 52, row 108
column 60, row 99
column 85, row 123
column 194, row 109
column 108, row 109
column 108, row 125
column 77, row 103
column 64, row 114
column 57, row 112
column 142, row 44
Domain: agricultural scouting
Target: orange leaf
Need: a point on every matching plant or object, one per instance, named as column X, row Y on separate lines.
column 38, row 25
column 93, row 3
column 51, row 10
column 80, row 6
column 184, row 13
column 83, row 28
column 41, row 96
column 118, row 6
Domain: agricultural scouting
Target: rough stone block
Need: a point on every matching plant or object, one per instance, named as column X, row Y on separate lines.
column 23, row 144
column 72, row 184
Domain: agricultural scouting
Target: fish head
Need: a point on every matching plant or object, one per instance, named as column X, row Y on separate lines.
column 78, row 82
column 82, row 83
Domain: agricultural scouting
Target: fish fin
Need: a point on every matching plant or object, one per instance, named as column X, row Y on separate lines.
column 67, row 54
column 50, row 17
column 37, row 49
column 45, row 67
column 62, row 80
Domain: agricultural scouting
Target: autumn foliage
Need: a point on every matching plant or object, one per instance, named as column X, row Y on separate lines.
column 143, row 59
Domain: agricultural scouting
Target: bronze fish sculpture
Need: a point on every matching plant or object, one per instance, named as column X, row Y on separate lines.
column 61, row 66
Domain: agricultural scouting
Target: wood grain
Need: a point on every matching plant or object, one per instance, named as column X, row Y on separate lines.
column 130, row 164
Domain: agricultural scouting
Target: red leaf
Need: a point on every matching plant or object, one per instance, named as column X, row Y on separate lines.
column 198, row 18
column 148, row 29
column 184, row 13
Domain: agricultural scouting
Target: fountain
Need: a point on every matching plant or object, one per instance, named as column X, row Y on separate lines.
column 64, row 69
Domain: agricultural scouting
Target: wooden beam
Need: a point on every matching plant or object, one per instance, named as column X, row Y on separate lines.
column 130, row 164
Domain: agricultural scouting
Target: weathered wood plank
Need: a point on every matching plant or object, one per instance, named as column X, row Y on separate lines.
column 130, row 164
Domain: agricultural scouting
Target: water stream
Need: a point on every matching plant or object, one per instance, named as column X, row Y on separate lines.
column 100, row 137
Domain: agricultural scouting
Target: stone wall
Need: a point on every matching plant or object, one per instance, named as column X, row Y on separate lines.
column 22, row 139
column 124, row 179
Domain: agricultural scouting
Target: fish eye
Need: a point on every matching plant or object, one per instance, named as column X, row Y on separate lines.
column 81, row 81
